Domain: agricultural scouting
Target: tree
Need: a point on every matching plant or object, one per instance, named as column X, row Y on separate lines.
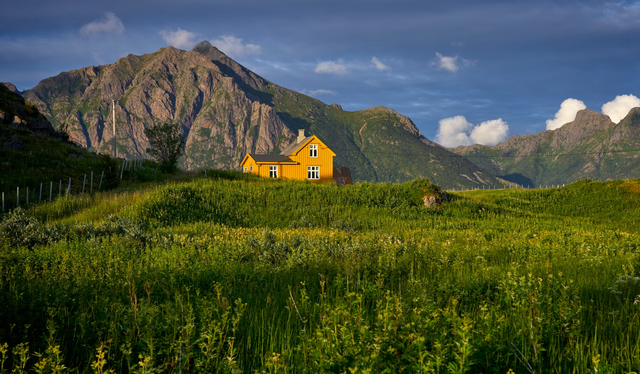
column 166, row 141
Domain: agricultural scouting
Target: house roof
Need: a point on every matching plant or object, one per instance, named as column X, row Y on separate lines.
column 271, row 158
column 291, row 148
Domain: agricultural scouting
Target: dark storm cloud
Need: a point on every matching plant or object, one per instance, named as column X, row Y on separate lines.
column 515, row 60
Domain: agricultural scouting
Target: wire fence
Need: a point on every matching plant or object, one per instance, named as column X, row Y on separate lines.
column 30, row 195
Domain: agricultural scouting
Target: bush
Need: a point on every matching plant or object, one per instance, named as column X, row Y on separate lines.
column 166, row 142
column 21, row 230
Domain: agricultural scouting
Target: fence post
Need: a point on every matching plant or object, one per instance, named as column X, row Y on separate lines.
column 101, row 180
column 27, row 195
column 91, row 188
column 69, row 188
column 40, row 198
column 17, row 197
column 84, row 181
column 122, row 169
column 50, row 189
column 3, row 202
column 60, row 189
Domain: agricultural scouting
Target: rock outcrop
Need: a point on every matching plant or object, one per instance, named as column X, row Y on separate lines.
column 17, row 112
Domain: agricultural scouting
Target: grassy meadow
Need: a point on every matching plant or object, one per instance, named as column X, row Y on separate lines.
column 238, row 274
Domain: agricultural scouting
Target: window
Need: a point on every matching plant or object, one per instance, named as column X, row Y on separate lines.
column 245, row 169
column 313, row 172
column 251, row 168
column 273, row 171
column 313, row 150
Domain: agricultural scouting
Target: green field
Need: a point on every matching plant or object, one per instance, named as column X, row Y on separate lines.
column 236, row 274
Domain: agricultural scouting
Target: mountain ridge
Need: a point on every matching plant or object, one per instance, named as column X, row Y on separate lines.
column 226, row 110
column 590, row 146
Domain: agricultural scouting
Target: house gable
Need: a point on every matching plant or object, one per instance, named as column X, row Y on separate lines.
column 303, row 145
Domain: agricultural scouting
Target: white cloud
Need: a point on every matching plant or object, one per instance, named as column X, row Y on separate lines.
column 330, row 67
column 454, row 131
column 490, row 132
column 233, row 46
column 109, row 25
column 451, row 63
column 621, row 14
column 566, row 114
column 179, row 38
column 378, row 64
column 457, row 131
column 619, row 107
column 320, row 91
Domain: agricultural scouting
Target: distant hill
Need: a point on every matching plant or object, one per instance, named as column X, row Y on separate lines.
column 33, row 152
column 591, row 146
column 16, row 112
column 226, row 111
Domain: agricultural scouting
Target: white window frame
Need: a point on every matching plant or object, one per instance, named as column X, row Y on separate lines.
column 244, row 170
column 251, row 169
column 313, row 172
column 273, row 171
column 313, row 150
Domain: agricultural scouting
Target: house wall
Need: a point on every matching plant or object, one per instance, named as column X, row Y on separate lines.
column 263, row 170
column 324, row 161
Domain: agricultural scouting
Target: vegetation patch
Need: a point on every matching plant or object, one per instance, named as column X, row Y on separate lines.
column 235, row 273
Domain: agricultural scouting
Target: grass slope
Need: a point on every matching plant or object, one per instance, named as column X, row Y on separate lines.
column 240, row 274
column 47, row 160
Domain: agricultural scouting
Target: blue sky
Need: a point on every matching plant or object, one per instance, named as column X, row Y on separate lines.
column 463, row 71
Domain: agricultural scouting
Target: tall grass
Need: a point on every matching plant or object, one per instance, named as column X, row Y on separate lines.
column 233, row 274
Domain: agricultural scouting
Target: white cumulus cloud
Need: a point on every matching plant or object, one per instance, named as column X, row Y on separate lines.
column 378, row 64
column 619, row 107
column 490, row 132
column 320, row 91
column 330, row 67
column 179, row 38
column 455, row 131
column 451, row 63
column 567, row 113
column 110, row 24
column 233, row 46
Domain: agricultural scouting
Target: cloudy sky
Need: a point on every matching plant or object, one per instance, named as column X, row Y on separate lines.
column 464, row 71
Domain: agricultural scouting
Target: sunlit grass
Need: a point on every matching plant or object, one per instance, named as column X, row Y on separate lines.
column 239, row 274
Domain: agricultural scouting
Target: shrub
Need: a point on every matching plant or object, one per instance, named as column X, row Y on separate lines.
column 166, row 142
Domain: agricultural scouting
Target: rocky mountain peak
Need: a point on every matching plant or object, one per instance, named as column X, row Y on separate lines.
column 404, row 120
column 230, row 67
column 11, row 87
column 632, row 118
column 204, row 47
column 588, row 115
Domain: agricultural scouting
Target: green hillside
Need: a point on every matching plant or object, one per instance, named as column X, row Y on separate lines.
column 234, row 273
column 33, row 156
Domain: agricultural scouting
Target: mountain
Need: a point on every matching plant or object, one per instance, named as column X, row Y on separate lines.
column 591, row 146
column 226, row 111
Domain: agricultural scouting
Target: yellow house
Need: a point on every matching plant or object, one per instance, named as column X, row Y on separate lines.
column 307, row 158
